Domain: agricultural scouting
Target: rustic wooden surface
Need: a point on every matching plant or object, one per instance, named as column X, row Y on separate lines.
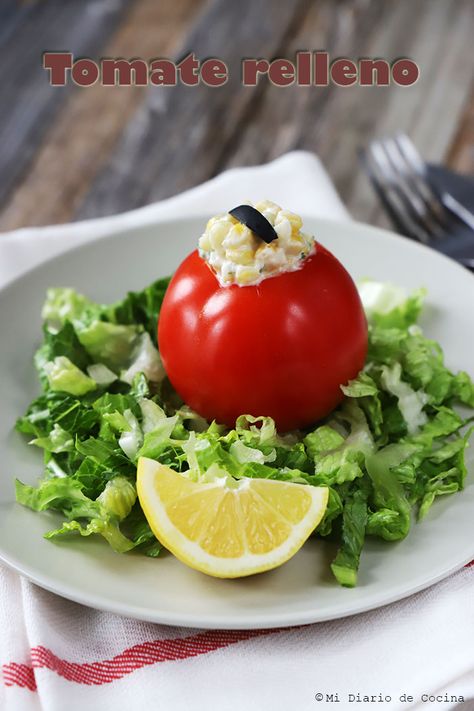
column 68, row 154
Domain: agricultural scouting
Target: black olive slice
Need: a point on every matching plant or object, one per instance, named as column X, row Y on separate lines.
column 255, row 221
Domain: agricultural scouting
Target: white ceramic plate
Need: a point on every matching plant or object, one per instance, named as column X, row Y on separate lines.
column 164, row 590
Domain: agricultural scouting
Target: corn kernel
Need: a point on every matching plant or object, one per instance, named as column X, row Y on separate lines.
column 204, row 243
column 217, row 235
column 240, row 255
column 236, row 237
column 246, row 275
column 296, row 245
column 283, row 229
column 295, row 220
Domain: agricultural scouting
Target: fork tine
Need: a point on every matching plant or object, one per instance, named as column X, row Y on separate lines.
column 399, row 177
column 444, row 203
column 407, row 182
column 414, row 162
column 381, row 175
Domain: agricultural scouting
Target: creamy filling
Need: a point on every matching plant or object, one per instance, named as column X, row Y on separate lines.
column 238, row 256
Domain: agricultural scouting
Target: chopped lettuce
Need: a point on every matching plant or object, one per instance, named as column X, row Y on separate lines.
column 410, row 402
column 64, row 376
column 390, row 306
column 108, row 343
column 113, row 506
column 144, row 359
column 395, row 444
column 118, row 497
column 58, row 440
column 131, row 437
column 354, row 522
column 339, row 458
column 62, row 306
column 101, row 374
column 388, row 493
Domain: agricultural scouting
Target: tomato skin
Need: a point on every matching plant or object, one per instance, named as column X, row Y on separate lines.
column 281, row 348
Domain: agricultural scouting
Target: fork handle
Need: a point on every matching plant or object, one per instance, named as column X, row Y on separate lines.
column 458, row 210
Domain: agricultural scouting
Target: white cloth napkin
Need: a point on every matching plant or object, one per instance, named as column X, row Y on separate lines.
column 56, row 654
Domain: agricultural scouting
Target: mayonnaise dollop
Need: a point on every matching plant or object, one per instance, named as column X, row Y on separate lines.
column 238, row 256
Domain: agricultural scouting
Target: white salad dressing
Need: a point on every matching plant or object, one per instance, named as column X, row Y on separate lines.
column 238, row 256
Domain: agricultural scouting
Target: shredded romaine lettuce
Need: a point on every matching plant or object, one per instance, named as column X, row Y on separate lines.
column 393, row 446
column 64, row 376
column 144, row 359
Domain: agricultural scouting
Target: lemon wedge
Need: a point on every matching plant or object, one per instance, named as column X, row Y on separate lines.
column 228, row 528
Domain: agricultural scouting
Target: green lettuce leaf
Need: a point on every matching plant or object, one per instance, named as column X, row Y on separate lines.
column 144, row 359
column 334, row 509
column 104, row 514
column 58, row 440
column 64, row 376
column 368, row 396
column 339, row 459
column 410, row 402
column 390, row 306
column 101, row 375
column 109, row 343
column 354, row 522
column 63, row 305
column 140, row 307
column 393, row 446
column 109, row 529
column 388, row 493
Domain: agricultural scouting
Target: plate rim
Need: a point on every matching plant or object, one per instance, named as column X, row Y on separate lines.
column 338, row 223
column 260, row 620
column 270, row 621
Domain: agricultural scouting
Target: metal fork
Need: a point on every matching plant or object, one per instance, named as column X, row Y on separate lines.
column 399, row 176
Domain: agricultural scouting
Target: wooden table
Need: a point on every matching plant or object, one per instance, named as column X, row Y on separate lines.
column 72, row 153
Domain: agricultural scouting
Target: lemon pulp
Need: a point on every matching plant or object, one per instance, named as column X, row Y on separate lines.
column 228, row 528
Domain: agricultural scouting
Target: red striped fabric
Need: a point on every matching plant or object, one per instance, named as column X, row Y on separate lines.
column 131, row 659
column 128, row 661
column 19, row 675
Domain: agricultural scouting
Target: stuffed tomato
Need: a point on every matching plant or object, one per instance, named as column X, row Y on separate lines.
column 262, row 320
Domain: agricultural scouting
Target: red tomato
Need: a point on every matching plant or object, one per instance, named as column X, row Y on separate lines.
column 281, row 348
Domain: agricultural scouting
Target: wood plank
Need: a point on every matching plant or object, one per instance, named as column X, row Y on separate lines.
column 461, row 152
column 92, row 120
column 28, row 102
column 177, row 137
column 336, row 122
column 12, row 15
column 435, row 33
column 303, row 117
